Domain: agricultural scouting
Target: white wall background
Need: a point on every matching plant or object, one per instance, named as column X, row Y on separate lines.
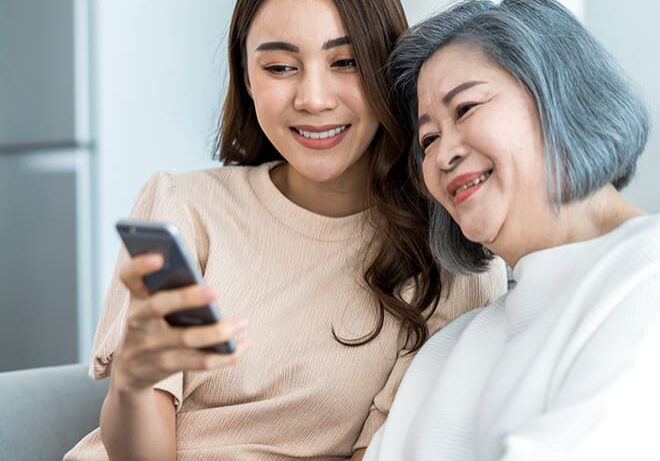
column 159, row 76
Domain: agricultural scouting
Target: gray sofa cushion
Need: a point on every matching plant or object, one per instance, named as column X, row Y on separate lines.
column 45, row 411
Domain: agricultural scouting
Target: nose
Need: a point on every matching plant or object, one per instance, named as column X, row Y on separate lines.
column 450, row 152
column 315, row 93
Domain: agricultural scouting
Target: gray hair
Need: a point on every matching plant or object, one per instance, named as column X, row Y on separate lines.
column 594, row 125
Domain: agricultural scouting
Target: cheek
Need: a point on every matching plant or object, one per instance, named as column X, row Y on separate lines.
column 359, row 110
column 432, row 181
column 525, row 173
column 350, row 90
column 267, row 93
column 269, row 102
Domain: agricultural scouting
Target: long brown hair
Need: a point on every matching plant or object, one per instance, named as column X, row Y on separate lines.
column 401, row 251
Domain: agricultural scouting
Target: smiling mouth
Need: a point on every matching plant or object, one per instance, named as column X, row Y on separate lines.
column 478, row 180
column 320, row 134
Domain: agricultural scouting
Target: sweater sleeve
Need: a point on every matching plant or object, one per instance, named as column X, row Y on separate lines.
column 606, row 405
column 157, row 201
column 460, row 294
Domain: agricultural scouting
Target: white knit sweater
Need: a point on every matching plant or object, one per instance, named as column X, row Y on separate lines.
column 566, row 366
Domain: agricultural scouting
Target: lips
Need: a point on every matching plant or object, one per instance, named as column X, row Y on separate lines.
column 320, row 132
column 320, row 137
column 464, row 185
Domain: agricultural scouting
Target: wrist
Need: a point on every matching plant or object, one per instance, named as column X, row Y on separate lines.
column 122, row 385
column 130, row 397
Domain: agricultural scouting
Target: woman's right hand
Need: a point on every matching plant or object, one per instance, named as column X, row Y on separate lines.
column 151, row 349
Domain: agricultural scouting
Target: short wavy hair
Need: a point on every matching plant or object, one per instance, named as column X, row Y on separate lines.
column 594, row 124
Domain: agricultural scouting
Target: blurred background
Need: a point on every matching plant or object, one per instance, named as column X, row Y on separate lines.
column 97, row 95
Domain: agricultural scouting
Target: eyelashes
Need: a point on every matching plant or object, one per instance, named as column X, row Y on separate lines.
column 279, row 69
column 461, row 111
column 426, row 141
column 347, row 64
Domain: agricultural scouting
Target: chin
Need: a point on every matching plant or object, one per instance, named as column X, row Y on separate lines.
column 479, row 233
column 326, row 169
column 323, row 173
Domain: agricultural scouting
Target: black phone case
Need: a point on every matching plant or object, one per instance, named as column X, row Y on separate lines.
column 148, row 237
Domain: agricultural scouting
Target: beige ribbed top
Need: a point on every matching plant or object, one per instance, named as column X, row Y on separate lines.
column 293, row 275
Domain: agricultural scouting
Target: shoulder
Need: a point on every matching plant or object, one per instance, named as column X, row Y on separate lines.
column 642, row 232
column 208, row 186
column 209, row 180
column 195, row 201
column 623, row 282
column 627, row 253
column 616, row 283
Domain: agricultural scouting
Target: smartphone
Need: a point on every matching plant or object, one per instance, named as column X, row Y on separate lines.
column 178, row 271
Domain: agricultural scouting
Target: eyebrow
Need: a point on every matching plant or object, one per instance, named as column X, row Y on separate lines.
column 278, row 46
column 446, row 99
column 335, row 42
column 285, row 46
column 424, row 119
column 458, row 89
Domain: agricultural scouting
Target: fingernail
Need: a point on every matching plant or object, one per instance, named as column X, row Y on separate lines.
column 155, row 260
column 209, row 293
column 239, row 325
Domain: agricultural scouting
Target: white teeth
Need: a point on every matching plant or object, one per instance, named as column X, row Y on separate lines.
column 472, row 183
column 322, row 134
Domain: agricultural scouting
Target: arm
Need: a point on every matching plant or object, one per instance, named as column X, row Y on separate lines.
column 138, row 425
column 138, row 421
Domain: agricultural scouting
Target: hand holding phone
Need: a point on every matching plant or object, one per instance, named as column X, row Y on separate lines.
column 151, row 349
column 177, row 271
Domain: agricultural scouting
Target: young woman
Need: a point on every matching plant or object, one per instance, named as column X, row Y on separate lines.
column 311, row 241
column 526, row 133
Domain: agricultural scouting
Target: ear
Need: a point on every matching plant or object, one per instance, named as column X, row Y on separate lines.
column 246, row 80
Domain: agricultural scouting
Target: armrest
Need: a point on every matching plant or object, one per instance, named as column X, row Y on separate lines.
column 45, row 411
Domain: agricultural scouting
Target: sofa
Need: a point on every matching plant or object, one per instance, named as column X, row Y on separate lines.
column 45, row 411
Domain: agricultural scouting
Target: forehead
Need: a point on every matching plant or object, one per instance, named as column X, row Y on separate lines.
column 300, row 22
column 452, row 65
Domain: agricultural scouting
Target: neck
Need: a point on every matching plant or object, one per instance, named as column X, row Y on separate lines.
column 339, row 197
column 597, row 215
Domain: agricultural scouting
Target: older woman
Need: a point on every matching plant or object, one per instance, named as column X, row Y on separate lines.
column 527, row 132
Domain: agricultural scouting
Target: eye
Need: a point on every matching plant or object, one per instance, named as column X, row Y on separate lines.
column 463, row 109
column 279, row 69
column 345, row 64
column 427, row 140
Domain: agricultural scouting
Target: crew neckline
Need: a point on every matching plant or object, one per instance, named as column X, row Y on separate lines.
column 297, row 218
column 531, row 258
column 539, row 264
